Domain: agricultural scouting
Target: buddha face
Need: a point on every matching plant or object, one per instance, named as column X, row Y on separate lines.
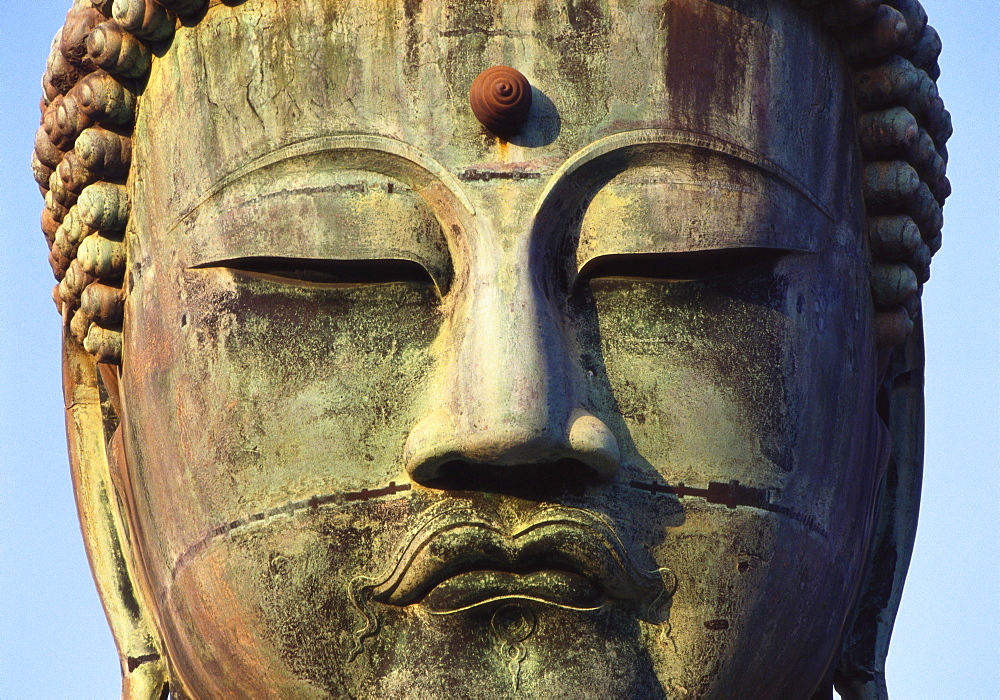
column 414, row 411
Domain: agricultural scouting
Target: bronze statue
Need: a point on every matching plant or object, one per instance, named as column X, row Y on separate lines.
column 603, row 379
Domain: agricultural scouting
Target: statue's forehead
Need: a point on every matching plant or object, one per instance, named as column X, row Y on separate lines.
column 259, row 76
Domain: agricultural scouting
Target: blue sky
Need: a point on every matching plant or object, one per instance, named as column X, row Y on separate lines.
column 54, row 640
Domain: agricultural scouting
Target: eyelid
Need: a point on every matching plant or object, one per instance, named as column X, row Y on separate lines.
column 312, row 272
column 678, row 266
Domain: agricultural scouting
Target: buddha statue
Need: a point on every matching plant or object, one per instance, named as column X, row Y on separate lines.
column 495, row 349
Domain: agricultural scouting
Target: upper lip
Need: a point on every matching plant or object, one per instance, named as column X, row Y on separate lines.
column 565, row 556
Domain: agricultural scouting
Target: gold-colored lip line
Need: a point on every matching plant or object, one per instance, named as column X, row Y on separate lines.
column 517, row 598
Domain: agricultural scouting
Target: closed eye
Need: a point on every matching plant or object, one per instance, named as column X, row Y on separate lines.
column 326, row 273
column 678, row 267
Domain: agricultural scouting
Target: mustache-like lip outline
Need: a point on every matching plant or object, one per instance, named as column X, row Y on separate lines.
column 556, row 550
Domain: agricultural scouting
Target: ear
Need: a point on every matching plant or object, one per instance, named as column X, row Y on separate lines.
column 860, row 674
column 96, row 464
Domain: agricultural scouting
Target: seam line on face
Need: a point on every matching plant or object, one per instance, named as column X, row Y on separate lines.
column 731, row 495
column 311, row 503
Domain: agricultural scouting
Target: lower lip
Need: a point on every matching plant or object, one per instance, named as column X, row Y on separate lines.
column 478, row 588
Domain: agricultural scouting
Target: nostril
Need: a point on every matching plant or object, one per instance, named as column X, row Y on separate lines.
column 529, row 481
column 510, row 458
column 591, row 437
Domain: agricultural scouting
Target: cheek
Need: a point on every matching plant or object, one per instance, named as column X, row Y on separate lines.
column 317, row 387
column 266, row 609
column 244, row 403
column 764, row 376
column 750, row 401
column 697, row 371
column 245, row 396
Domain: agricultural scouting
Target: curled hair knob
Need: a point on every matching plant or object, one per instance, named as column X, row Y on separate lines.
column 501, row 98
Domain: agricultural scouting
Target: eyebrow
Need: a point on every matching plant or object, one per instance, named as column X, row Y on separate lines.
column 345, row 145
column 623, row 140
column 434, row 171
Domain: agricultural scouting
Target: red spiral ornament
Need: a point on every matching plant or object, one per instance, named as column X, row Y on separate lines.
column 501, row 98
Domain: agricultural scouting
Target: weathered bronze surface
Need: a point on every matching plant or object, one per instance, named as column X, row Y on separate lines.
column 619, row 397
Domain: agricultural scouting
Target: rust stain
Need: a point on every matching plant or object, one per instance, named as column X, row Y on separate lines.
column 703, row 46
column 411, row 11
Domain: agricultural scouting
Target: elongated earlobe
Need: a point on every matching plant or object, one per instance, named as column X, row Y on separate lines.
column 860, row 672
column 97, row 466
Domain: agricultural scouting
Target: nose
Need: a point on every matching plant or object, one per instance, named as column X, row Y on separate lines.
column 506, row 403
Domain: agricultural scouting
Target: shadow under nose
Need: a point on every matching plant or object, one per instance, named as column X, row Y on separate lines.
column 534, row 482
column 511, row 459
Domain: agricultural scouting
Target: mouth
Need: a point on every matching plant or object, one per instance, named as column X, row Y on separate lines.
column 563, row 557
